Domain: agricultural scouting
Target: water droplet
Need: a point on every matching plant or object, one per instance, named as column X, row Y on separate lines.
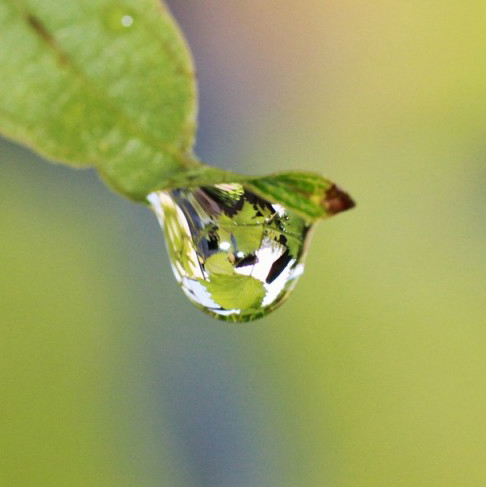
column 235, row 255
column 127, row 21
column 119, row 19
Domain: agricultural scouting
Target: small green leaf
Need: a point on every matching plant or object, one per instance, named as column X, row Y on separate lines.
column 295, row 247
column 248, row 215
column 235, row 292
column 246, row 226
column 249, row 238
column 102, row 83
column 308, row 194
column 219, row 264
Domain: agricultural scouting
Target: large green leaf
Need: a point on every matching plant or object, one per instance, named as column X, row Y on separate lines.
column 103, row 83
column 110, row 84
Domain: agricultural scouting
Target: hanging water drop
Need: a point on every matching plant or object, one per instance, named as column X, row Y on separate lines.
column 236, row 256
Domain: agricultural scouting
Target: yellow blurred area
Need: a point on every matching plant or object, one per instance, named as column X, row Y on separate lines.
column 372, row 375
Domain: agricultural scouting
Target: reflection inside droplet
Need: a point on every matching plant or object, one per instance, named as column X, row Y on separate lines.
column 235, row 255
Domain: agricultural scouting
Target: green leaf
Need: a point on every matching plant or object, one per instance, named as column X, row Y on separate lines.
column 295, row 247
column 249, row 238
column 110, row 84
column 219, row 264
column 308, row 194
column 235, row 292
column 100, row 83
column 248, row 215
column 246, row 227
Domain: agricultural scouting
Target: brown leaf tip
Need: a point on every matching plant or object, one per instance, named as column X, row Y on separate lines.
column 337, row 200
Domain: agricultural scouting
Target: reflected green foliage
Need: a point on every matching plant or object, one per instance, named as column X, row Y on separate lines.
column 236, row 291
column 235, row 255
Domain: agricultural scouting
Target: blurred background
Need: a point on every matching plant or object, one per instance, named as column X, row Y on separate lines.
column 373, row 374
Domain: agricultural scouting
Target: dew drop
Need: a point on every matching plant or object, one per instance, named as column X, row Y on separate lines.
column 119, row 19
column 127, row 21
column 236, row 256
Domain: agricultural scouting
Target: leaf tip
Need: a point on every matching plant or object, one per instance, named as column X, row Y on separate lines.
column 336, row 201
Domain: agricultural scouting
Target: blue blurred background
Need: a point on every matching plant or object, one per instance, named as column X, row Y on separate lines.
column 373, row 374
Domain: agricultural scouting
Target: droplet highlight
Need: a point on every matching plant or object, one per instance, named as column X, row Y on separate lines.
column 119, row 19
column 127, row 21
column 236, row 256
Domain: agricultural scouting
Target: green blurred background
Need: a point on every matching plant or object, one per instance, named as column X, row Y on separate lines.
column 373, row 374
